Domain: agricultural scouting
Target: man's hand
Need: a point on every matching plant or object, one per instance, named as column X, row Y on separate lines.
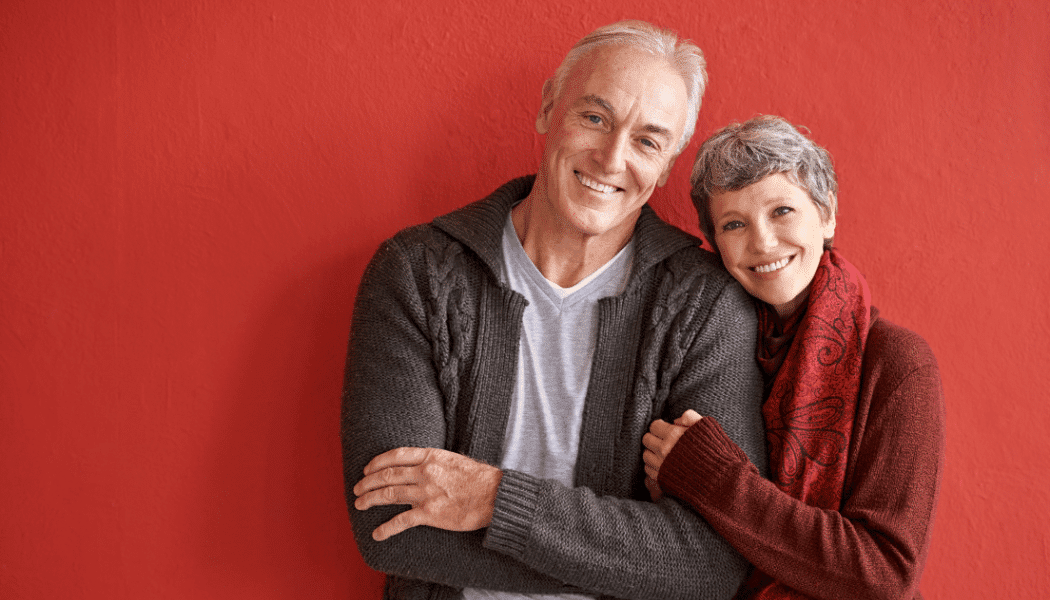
column 446, row 490
column 658, row 443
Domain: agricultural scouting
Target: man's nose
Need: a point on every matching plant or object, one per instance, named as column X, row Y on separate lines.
column 612, row 154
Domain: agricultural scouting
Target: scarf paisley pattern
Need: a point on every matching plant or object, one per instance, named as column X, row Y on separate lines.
column 811, row 400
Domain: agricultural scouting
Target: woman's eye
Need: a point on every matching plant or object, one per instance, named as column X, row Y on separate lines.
column 783, row 210
column 730, row 226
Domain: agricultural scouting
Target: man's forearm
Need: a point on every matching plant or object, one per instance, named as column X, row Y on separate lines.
column 391, row 399
column 612, row 546
column 636, row 549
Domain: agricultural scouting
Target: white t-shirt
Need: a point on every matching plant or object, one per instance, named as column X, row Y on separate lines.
column 559, row 333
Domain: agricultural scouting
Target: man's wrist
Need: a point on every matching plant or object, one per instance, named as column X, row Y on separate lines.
column 490, row 481
column 515, row 504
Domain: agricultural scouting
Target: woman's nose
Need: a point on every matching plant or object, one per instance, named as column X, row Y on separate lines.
column 762, row 237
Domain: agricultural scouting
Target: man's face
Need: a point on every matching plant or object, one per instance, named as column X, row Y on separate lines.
column 612, row 136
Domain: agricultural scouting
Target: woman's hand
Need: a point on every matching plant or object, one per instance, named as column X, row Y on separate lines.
column 658, row 443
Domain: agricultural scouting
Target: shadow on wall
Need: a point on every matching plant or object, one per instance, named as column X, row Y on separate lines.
column 273, row 515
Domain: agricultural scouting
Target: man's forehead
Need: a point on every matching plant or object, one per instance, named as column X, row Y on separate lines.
column 614, row 57
column 624, row 64
column 606, row 74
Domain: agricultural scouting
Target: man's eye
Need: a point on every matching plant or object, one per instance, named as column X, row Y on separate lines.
column 648, row 142
column 783, row 210
column 594, row 119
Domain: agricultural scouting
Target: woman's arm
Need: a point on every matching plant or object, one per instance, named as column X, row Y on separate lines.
column 876, row 545
column 658, row 442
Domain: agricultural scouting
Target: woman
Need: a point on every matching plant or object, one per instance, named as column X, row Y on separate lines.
column 854, row 410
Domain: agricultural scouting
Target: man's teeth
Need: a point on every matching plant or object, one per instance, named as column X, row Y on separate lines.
column 780, row 264
column 594, row 185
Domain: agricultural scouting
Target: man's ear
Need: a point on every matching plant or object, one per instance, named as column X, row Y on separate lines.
column 667, row 172
column 543, row 119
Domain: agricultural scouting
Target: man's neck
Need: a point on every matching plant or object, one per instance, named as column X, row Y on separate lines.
column 564, row 255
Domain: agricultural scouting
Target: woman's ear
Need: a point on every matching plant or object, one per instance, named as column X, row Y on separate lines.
column 543, row 119
column 829, row 223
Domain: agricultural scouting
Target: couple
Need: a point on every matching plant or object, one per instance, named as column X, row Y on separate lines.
column 553, row 393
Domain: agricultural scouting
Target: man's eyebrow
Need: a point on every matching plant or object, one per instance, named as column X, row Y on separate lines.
column 658, row 130
column 604, row 104
column 599, row 101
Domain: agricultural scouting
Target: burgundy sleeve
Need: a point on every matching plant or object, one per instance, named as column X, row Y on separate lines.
column 876, row 545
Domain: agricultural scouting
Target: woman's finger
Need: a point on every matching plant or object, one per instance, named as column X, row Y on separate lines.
column 651, row 442
column 688, row 418
column 651, row 472
column 660, row 428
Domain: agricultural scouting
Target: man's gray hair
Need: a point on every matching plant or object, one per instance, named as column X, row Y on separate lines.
column 683, row 55
column 739, row 155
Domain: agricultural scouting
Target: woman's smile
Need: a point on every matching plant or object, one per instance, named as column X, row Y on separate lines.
column 774, row 266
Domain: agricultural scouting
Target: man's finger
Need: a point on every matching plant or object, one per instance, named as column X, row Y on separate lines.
column 393, row 494
column 387, row 477
column 398, row 457
column 403, row 521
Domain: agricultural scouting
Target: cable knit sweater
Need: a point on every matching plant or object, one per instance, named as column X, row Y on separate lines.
column 876, row 545
column 431, row 362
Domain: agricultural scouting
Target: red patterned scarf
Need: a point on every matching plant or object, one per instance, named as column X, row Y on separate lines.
column 816, row 359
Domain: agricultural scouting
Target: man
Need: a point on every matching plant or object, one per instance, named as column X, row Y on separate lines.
column 541, row 330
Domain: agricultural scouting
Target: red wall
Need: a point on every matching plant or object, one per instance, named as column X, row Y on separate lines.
column 190, row 191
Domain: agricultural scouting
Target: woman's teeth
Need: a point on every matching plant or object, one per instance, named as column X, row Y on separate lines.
column 594, row 185
column 780, row 264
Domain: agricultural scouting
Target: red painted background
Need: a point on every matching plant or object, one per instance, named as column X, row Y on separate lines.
column 190, row 191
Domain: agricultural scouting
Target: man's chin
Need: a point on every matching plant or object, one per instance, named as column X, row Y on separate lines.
column 603, row 225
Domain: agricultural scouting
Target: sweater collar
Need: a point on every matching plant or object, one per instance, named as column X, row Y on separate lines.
column 479, row 226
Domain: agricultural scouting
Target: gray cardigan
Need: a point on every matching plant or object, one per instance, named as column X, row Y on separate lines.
column 431, row 361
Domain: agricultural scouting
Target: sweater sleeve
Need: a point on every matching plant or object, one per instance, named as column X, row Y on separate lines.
column 638, row 549
column 876, row 545
column 392, row 398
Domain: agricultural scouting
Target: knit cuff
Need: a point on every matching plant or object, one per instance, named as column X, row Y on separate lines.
column 698, row 463
column 515, row 503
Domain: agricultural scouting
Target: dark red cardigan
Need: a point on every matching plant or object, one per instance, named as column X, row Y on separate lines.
column 876, row 545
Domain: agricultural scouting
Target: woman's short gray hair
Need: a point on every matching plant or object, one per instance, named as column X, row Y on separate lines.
column 685, row 56
column 739, row 155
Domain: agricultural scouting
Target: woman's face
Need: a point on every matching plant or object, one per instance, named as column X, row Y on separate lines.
column 771, row 237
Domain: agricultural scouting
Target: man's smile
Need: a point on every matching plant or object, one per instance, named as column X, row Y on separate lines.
column 596, row 185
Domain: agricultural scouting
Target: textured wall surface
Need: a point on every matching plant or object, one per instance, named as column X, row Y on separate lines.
column 189, row 192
